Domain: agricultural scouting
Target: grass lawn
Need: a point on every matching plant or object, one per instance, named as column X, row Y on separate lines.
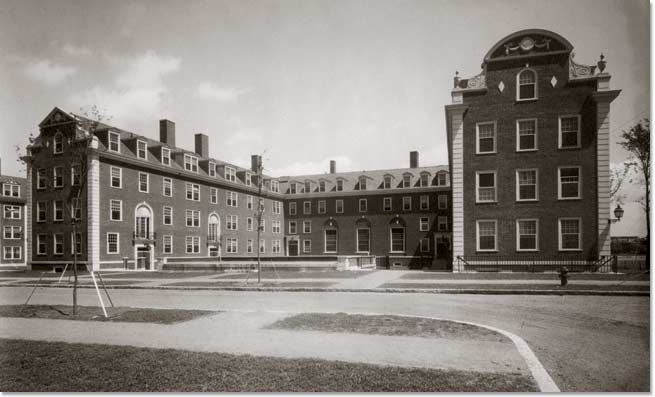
column 94, row 313
column 30, row 366
column 387, row 325
column 37, row 274
column 286, row 274
column 154, row 275
column 251, row 283
column 531, row 287
column 524, row 276
column 85, row 281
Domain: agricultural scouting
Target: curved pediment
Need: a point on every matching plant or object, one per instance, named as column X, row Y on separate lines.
column 528, row 42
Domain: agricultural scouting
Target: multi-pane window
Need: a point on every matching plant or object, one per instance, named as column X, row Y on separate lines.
column 232, row 199
column 190, row 163
column 527, row 235
column 307, row 246
column 249, row 246
column 362, row 183
column 425, row 202
column 363, row 205
column 407, row 180
column 232, row 245
column 275, row 186
column 58, row 176
column 12, row 232
column 321, row 206
column 386, row 204
column 168, row 215
column 331, row 241
column 407, row 203
column 425, row 244
column 276, row 226
column 526, row 87
column 112, row 243
column 115, row 210
column 277, row 246
column 58, row 244
column 42, row 244
column 307, row 207
column 442, row 201
column 486, row 235
column 116, row 177
column 569, row 234
column 13, row 211
column 526, row 185
column 249, row 202
column 10, row 190
column 165, row 156
column 425, row 180
column 41, row 211
column 262, row 246
column 277, row 207
column 397, row 239
column 293, row 188
column 339, row 185
column 213, row 195
column 193, row 218
column 230, row 174
column 232, row 222
column 192, row 191
column 442, row 223
column 249, row 224
column 248, row 179
column 262, row 225
column 424, row 224
column 58, row 210
column 167, row 244
column 442, row 179
column 58, row 144
column 143, row 182
column 387, row 182
column 114, row 142
column 292, row 227
column 486, row 142
column 76, row 174
column 486, row 186
column 167, row 187
column 526, row 135
column 142, row 149
column 292, row 208
column 76, row 208
column 308, row 187
column 338, row 206
column 192, row 244
column 211, row 167
column 307, row 226
column 41, row 179
column 363, row 240
column 569, row 132
column 321, row 186
column 76, row 243
column 12, row 253
column 569, row 183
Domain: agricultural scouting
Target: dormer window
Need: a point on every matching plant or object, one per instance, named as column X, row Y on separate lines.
column 190, row 163
column 142, row 149
column 114, row 142
column 387, row 182
column 339, row 185
column 58, row 144
column 230, row 174
column 211, row 169
column 425, row 180
column 308, row 187
column 248, row 179
column 407, row 180
column 526, row 85
column 275, row 186
column 362, row 183
column 442, row 179
column 292, row 188
column 321, row 186
column 166, row 156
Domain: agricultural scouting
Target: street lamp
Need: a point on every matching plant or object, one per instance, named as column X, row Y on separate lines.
column 618, row 213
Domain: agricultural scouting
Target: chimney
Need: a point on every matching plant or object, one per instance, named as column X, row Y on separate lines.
column 202, row 145
column 255, row 162
column 333, row 166
column 167, row 132
column 413, row 159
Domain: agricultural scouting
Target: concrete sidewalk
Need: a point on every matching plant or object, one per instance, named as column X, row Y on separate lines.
column 243, row 333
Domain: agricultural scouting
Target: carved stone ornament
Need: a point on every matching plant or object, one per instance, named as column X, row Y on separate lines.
column 577, row 70
column 527, row 44
column 553, row 81
column 479, row 81
column 501, row 86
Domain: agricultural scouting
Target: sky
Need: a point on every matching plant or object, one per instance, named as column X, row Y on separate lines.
column 302, row 81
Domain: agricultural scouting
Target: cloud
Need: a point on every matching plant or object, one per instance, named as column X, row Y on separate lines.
column 75, row 51
column 344, row 164
column 211, row 91
column 47, row 72
column 138, row 90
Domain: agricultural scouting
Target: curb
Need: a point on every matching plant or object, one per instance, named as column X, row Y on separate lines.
column 454, row 291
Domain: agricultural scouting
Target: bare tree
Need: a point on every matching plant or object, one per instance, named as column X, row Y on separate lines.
column 618, row 174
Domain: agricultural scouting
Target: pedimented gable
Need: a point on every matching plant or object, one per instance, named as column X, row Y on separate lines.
column 57, row 117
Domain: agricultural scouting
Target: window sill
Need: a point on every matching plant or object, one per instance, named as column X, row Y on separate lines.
column 487, row 202
column 528, row 251
column 569, row 147
column 485, row 153
column 527, row 99
column 528, row 200
column 527, row 150
column 569, row 198
column 570, row 250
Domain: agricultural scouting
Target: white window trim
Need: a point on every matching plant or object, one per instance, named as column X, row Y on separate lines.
column 477, row 186
column 10, row 248
column 441, row 218
column 336, row 206
column 295, row 227
column 45, row 206
column 54, row 244
column 213, row 195
column 121, row 211
column 477, row 235
column 163, row 218
column 409, row 201
column 536, row 135
column 559, row 132
column 322, row 209
column 118, row 141
column 12, row 209
column 147, row 182
column 559, row 234
column 445, row 178
column 230, row 174
column 427, row 240
column 559, row 183
column 420, row 178
column 365, row 202
column 13, row 235
column 357, row 240
column 303, row 227
column 54, row 177
column 146, row 149
column 211, row 169
column 306, row 204
column 304, row 248
column 163, row 187
column 189, row 159
column 250, row 224
column 54, row 143
column 163, row 244
column 167, row 156
column 293, row 208
column 38, row 243
column 518, row 236
column 420, row 224
column 391, row 239
column 536, row 86
column 120, row 177
column 516, row 184
column 426, row 201
column 325, row 251
column 39, row 179
column 477, row 137
column 54, row 210
column 384, row 204
column 444, row 201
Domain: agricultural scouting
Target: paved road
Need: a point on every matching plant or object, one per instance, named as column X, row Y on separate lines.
column 587, row 343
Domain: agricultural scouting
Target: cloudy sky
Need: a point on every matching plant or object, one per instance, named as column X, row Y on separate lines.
column 363, row 82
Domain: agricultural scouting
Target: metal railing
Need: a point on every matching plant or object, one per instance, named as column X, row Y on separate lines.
column 515, row 263
column 140, row 236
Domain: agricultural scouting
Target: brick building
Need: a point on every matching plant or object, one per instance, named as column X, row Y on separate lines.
column 528, row 142
column 13, row 221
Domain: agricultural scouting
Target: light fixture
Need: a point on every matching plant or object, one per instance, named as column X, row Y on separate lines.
column 618, row 213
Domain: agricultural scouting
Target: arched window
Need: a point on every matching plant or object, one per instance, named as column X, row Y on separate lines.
column 526, row 85
column 143, row 222
column 212, row 229
column 58, row 146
